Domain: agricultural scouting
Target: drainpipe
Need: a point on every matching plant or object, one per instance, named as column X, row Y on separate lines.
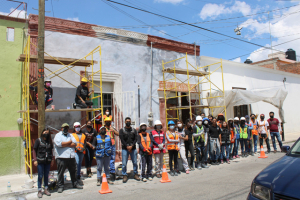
column 151, row 79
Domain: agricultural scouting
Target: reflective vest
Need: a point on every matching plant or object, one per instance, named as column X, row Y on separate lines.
column 44, row 152
column 145, row 144
column 104, row 116
column 243, row 132
column 172, row 145
column 200, row 138
column 158, row 138
column 232, row 135
column 254, row 130
column 80, row 144
column 237, row 131
column 103, row 148
column 111, row 134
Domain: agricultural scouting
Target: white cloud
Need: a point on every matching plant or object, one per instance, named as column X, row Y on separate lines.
column 17, row 13
column 169, row 1
column 213, row 10
column 237, row 60
column 76, row 19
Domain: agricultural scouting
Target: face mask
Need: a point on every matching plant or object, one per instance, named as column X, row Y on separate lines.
column 46, row 135
column 143, row 129
column 158, row 127
column 179, row 125
column 66, row 130
column 243, row 122
column 262, row 118
column 199, row 123
column 89, row 126
column 48, row 84
column 252, row 117
column 205, row 122
column 107, row 113
column 272, row 116
column 83, row 83
column 77, row 129
column 128, row 124
column 107, row 123
column 172, row 127
column 103, row 132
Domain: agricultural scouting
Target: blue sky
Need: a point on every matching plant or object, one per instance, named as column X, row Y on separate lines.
column 217, row 15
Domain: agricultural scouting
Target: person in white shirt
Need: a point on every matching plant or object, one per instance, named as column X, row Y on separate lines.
column 263, row 127
column 182, row 137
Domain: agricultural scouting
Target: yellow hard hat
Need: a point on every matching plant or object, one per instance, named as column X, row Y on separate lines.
column 84, row 80
column 107, row 119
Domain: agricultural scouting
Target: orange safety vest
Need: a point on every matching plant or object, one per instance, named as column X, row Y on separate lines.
column 80, row 144
column 254, row 130
column 172, row 145
column 104, row 116
column 144, row 144
column 232, row 135
column 111, row 135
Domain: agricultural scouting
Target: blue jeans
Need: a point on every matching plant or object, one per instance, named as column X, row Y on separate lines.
column 88, row 157
column 112, row 159
column 78, row 158
column 236, row 147
column 43, row 171
column 255, row 139
column 103, row 162
column 133, row 156
column 214, row 144
column 277, row 135
column 228, row 149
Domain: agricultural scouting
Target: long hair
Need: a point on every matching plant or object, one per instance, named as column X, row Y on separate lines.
column 186, row 122
column 227, row 127
column 49, row 139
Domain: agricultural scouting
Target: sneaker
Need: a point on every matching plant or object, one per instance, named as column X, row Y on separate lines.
column 222, row 161
column 172, row 173
column 267, row 152
column 187, row 171
column 158, row 175
column 136, row 177
column 237, row 156
column 192, row 168
column 233, row 157
column 150, row 178
column 227, row 161
column 213, row 163
column 144, row 180
column 217, row 163
column 80, row 182
column 74, row 105
column 275, row 151
column 178, row 172
column 110, row 182
column 125, row 179
column 78, row 186
column 40, row 194
column 98, row 182
column 60, row 190
column 243, row 155
column 175, row 173
column 46, row 192
column 203, row 165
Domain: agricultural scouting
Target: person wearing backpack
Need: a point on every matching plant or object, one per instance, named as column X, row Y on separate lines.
column 43, row 159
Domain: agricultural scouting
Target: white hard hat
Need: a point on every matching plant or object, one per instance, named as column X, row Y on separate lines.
column 230, row 119
column 157, row 122
column 47, row 79
column 143, row 124
column 243, row 118
column 198, row 118
column 236, row 119
column 76, row 124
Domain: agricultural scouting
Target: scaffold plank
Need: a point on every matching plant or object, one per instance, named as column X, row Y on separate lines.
column 65, row 61
column 188, row 107
column 60, row 110
column 184, row 72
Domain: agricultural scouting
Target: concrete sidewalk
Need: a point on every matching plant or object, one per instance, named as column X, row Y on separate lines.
column 17, row 181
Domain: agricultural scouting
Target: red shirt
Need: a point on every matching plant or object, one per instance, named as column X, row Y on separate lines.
column 273, row 123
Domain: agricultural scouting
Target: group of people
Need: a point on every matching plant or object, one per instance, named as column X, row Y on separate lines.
column 213, row 141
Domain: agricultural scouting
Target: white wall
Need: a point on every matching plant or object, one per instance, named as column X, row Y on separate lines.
column 254, row 77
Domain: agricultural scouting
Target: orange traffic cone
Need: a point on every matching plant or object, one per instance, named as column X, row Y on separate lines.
column 104, row 187
column 262, row 153
column 165, row 178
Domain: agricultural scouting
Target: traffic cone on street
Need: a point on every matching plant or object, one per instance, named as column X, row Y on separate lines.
column 165, row 178
column 262, row 153
column 104, row 187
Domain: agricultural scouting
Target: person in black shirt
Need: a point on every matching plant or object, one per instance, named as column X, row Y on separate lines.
column 189, row 147
column 128, row 137
column 225, row 142
column 90, row 134
column 215, row 138
column 43, row 159
column 48, row 92
column 82, row 94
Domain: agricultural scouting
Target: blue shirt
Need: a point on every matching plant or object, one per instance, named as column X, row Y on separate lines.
column 63, row 152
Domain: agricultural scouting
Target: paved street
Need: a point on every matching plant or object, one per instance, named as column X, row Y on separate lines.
column 227, row 181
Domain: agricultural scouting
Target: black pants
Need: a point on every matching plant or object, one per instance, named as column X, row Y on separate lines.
column 250, row 146
column 88, row 157
column 62, row 164
column 189, row 147
column 146, row 161
column 261, row 141
column 84, row 105
column 173, row 155
column 201, row 152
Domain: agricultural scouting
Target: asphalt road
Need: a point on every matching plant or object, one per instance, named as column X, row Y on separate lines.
column 226, row 181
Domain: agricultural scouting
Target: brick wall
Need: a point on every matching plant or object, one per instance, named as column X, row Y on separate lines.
column 293, row 68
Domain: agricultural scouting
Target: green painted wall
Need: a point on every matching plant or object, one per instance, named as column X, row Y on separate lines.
column 11, row 151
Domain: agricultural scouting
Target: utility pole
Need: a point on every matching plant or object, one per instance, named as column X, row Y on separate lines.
column 41, row 46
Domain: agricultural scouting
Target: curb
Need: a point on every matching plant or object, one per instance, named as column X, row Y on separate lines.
column 16, row 193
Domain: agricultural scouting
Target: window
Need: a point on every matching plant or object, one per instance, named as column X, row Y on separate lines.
column 107, row 101
column 240, row 111
column 10, row 34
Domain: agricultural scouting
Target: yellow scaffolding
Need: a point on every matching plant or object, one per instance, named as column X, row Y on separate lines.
column 203, row 77
column 68, row 64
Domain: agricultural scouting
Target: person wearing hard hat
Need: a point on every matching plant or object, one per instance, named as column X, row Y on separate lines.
column 220, row 119
column 263, row 127
column 107, row 115
column 111, row 132
column 215, row 139
column 199, row 141
column 236, row 129
column 102, row 145
column 173, row 148
column 48, row 92
column 205, row 123
column 64, row 148
column 182, row 138
column 145, row 145
column 244, row 133
column 82, row 94
column 80, row 149
column 158, row 147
